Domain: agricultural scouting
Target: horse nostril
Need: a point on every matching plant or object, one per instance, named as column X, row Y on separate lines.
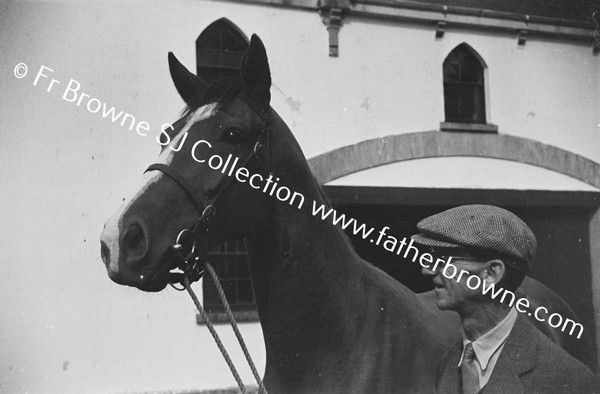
column 134, row 238
column 105, row 253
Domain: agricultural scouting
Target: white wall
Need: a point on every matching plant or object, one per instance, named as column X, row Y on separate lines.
column 388, row 80
column 64, row 326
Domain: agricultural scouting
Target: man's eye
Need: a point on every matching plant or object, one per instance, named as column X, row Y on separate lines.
column 233, row 136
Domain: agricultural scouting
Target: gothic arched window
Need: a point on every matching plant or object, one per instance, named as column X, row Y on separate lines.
column 464, row 96
column 219, row 50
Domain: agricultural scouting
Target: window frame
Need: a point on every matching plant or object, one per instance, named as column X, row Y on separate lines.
column 462, row 124
column 222, row 61
column 226, row 254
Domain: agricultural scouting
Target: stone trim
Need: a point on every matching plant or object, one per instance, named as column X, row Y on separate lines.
column 475, row 127
column 391, row 149
column 221, row 317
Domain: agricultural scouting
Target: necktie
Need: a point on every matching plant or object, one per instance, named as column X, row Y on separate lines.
column 470, row 377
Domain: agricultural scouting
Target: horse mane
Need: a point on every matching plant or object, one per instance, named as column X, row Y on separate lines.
column 326, row 201
column 327, row 204
column 222, row 92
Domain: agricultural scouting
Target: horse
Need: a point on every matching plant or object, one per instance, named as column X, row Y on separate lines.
column 331, row 321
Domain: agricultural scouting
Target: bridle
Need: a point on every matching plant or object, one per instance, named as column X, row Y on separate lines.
column 191, row 256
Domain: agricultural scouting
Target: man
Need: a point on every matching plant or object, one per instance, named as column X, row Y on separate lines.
column 501, row 352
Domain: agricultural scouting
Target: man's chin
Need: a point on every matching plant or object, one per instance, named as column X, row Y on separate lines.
column 441, row 301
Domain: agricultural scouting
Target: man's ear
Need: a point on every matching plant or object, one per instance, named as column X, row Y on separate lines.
column 188, row 85
column 494, row 272
column 255, row 72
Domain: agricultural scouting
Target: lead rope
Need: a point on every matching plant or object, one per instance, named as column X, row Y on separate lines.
column 234, row 326
column 233, row 323
column 211, row 328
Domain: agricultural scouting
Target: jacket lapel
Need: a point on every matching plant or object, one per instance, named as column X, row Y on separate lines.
column 517, row 357
column 450, row 381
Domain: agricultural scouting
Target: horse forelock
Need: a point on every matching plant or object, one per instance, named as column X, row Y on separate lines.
column 220, row 92
column 204, row 112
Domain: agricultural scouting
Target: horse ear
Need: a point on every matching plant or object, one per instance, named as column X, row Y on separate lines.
column 255, row 71
column 188, row 85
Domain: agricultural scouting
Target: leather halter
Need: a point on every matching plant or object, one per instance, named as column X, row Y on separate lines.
column 192, row 258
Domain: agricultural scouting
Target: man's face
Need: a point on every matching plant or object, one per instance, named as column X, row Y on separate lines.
column 450, row 293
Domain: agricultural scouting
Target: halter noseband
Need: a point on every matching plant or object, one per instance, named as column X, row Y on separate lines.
column 190, row 255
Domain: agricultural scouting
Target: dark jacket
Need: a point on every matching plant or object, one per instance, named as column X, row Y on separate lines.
column 528, row 363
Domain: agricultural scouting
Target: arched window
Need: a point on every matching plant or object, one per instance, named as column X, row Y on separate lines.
column 219, row 50
column 464, row 96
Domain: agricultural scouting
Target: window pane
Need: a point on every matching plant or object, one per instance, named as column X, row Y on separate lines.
column 231, row 40
column 219, row 51
column 231, row 265
column 218, row 263
column 228, row 269
column 452, row 102
column 471, row 108
column 243, row 270
column 452, row 72
column 471, row 70
column 479, row 104
column 230, row 247
column 229, row 289
column 245, row 294
column 211, row 296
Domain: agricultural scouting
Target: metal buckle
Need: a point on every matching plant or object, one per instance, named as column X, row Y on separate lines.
column 208, row 214
column 196, row 270
column 257, row 147
column 179, row 244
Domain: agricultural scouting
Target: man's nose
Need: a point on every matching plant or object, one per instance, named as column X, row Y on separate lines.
column 428, row 272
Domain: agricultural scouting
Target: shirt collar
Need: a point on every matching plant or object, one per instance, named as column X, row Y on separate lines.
column 486, row 345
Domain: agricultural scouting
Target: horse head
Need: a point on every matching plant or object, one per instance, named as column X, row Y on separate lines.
column 227, row 124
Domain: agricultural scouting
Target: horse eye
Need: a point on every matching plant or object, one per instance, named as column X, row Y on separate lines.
column 233, row 136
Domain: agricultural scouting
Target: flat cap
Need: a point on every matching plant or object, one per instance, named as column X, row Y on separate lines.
column 483, row 228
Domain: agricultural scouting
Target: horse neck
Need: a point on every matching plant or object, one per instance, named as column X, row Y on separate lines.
column 318, row 302
column 322, row 308
column 299, row 279
column 298, row 251
column 301, row 270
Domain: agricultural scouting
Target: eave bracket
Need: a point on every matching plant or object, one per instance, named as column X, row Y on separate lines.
column 332, row 13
